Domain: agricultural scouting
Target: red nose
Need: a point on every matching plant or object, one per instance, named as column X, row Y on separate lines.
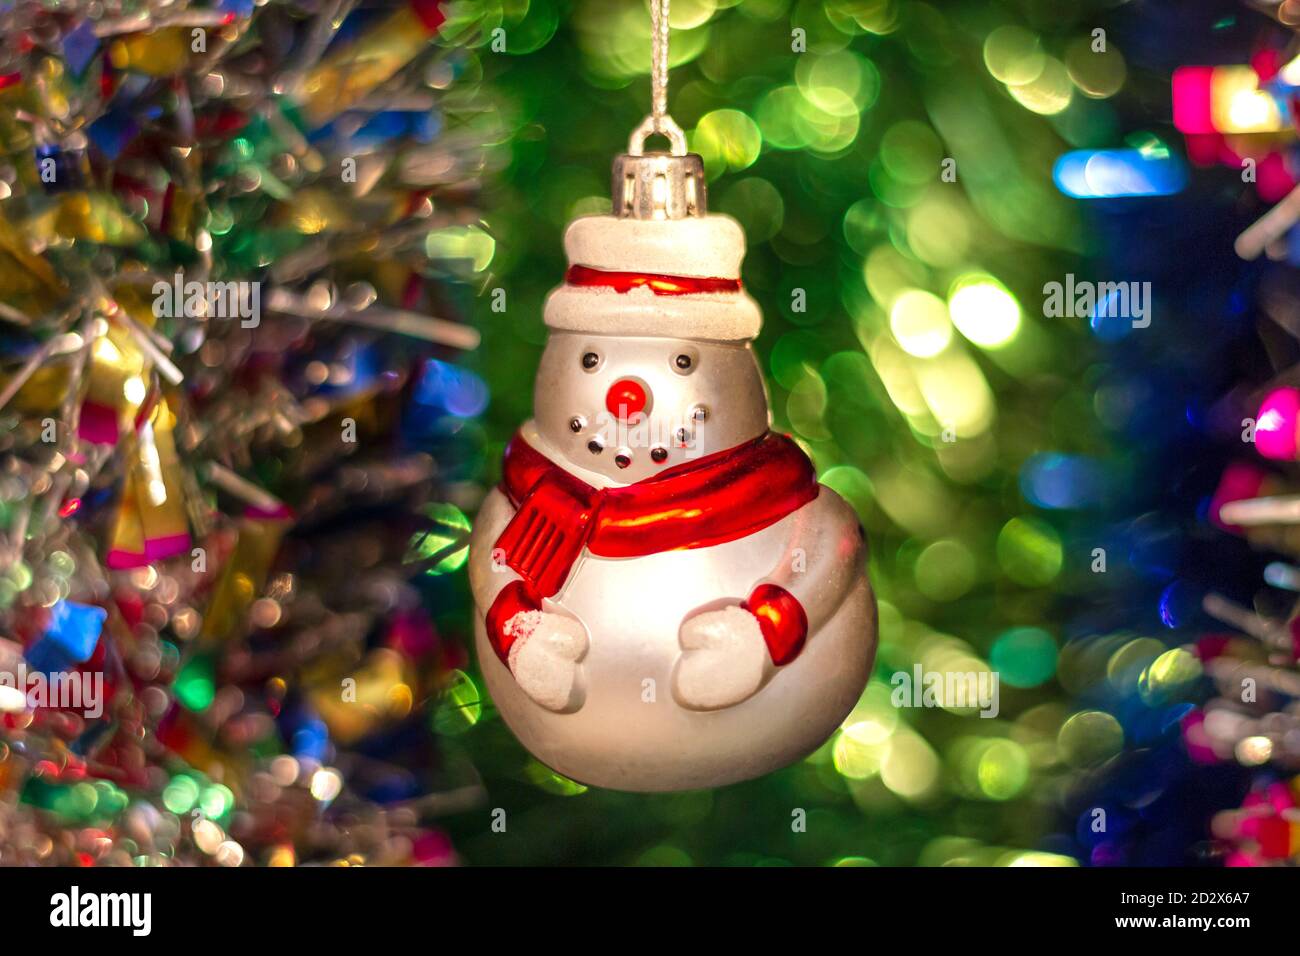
column 626, row 398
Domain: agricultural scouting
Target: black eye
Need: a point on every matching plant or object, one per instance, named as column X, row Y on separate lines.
column 590, row 360
column 683, row 362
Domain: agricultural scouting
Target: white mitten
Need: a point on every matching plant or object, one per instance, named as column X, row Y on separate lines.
column 544, row 657
column 724, row 659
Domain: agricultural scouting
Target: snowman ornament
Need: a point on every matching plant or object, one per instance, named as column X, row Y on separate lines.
column 667, row 599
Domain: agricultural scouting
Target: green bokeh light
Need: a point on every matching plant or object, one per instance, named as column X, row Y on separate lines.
column 945, row 570
column 459, row 707
column 1029, row 551
column 195, row 683
column 1024, row 656
column 984, row 311
column 448, row 537
column 727, row 140
column 1090, row 738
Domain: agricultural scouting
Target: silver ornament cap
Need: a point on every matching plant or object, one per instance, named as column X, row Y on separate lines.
column 658, row 185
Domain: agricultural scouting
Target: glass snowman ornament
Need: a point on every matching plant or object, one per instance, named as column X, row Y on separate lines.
column 666, row 597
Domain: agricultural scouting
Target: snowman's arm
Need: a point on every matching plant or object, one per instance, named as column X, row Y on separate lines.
column 824, row 556
column 496, row 587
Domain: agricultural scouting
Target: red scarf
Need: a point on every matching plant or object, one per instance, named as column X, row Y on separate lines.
column 697, row 504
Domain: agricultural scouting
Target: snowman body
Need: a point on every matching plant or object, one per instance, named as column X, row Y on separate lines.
column 666, row 598
column 630, row 732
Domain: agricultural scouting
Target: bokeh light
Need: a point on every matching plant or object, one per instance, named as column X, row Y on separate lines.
column 984, row 311
column 919, row 321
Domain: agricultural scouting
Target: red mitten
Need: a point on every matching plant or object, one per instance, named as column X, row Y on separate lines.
column 782, row 620
column 514, row 598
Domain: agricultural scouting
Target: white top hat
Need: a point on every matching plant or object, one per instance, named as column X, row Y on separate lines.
column 676, row 275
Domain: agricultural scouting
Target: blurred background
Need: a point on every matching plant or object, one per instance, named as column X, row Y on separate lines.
column 280, row 612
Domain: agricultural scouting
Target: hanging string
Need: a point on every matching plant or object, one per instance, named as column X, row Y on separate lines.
column 659, row 59
column 658, row 121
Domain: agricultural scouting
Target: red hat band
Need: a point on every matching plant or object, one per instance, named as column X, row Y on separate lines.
column 658, row 284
